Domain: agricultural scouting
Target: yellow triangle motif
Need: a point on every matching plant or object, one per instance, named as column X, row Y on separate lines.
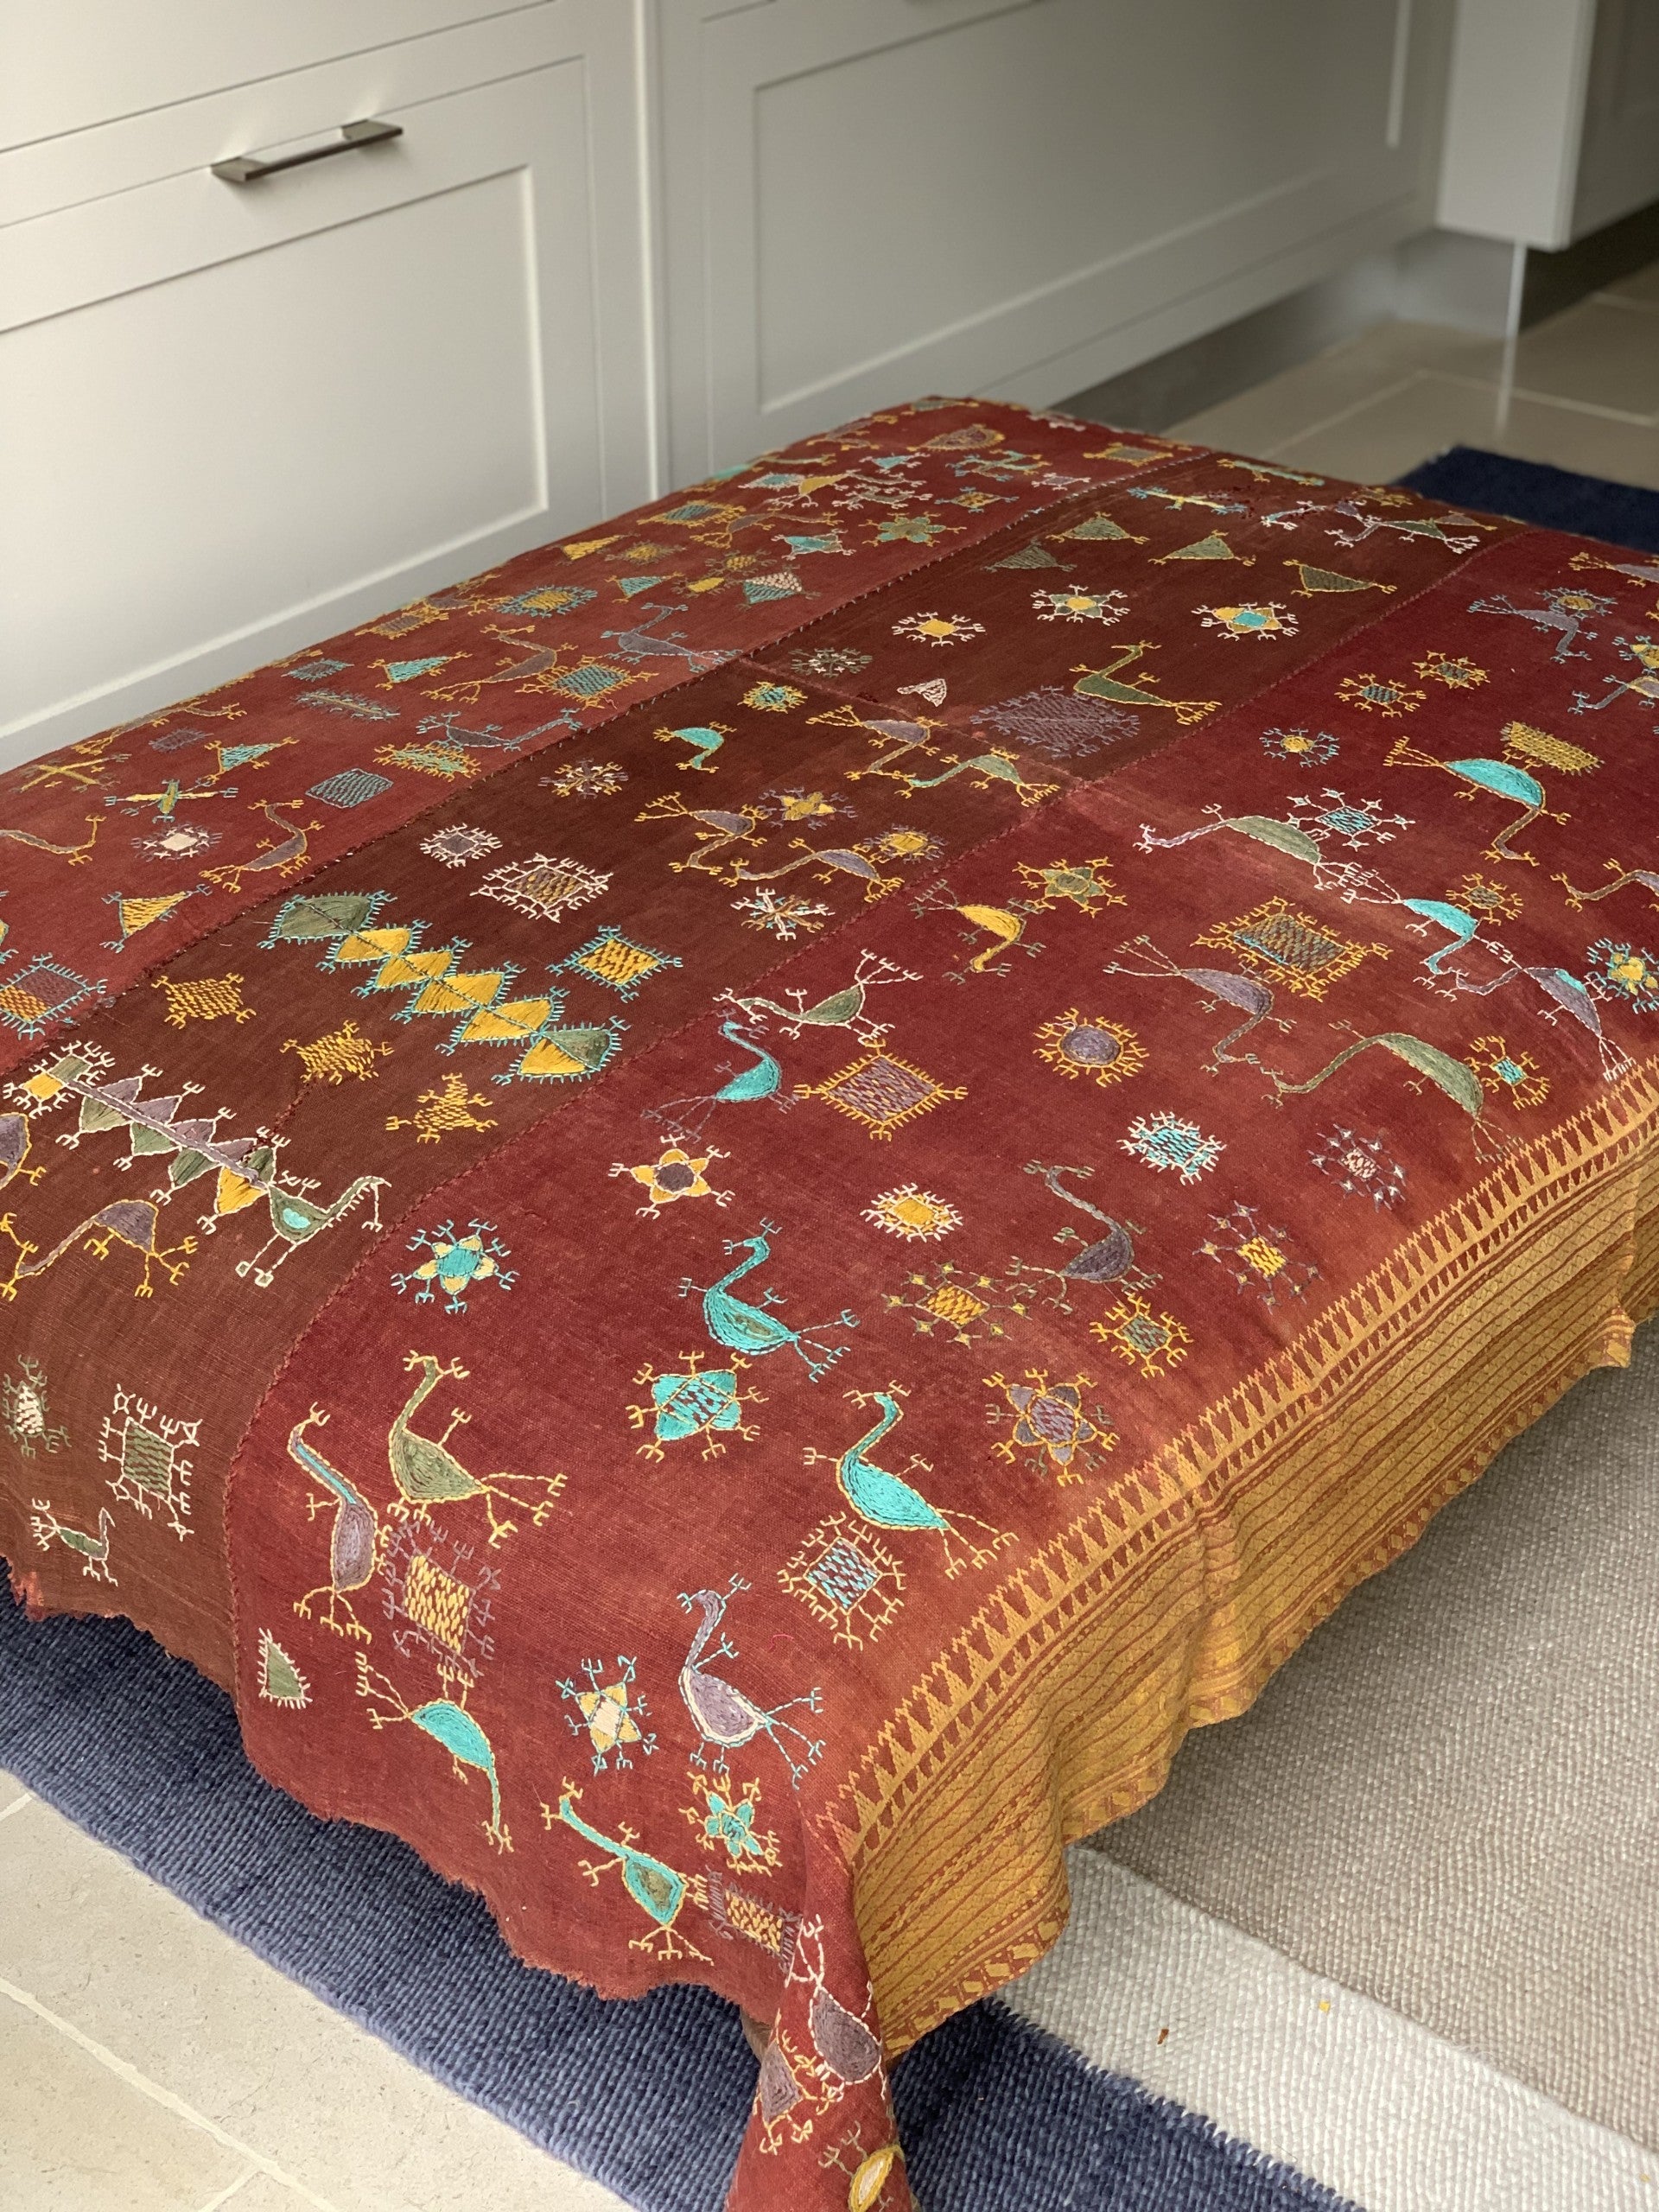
column 404, row 969
column 1102, row 526
column 233, row 1192
column 1314, row 581
column 135, row 914
column 1213, row 548
column 498, row 1025
column 371, row 944
column 460, row 994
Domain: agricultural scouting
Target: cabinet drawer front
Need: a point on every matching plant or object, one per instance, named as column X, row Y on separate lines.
column 78, row 63
column 235, row 418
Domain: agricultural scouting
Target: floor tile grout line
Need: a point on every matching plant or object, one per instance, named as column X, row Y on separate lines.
column 16, row 1805
column 233, row 2188
column 1330, row 422
column 1535, row 398
column 125, row 2071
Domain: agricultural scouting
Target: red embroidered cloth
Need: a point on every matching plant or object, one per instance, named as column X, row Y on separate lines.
column 731, row 1216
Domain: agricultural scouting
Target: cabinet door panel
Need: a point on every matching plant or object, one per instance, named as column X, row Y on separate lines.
column 1016, row 197
column 238, row 419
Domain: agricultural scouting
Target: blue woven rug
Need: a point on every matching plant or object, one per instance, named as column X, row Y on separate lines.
column 649, row 2097
column 1531, row 491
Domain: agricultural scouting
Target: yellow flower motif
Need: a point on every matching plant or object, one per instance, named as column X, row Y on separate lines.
column 674, row 1174
column 931, row 629
column 914, row 1214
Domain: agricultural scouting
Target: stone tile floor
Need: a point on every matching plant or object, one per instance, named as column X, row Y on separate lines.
column 1581, row 391
column 148, row 2063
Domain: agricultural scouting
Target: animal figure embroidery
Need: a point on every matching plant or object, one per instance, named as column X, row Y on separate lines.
column 73, row 854
column 1351, row 882
column 842, row 1009
column 173, row 795
column 797, row 2088
column 529, row 671
column 14, row 1151
column 1456, row 1078
column 1104, row 684
column 243, row 1166
column 279, row 859
column 886, row 1500
column 26, row 1411
column 986, row 768
column 753, row 1330
column 723, row 1715
column 657, row 1890
column 295, row 1219
column 1566, row 995
column 1006, row 926
column 1500, row 778
column 427, row 1474
column 135, row 1223
column 704, row 739
column 1639, row 572
column 1644, row 651
column 762, row 1078
column 1439, row 529
column 450, row 1725
column 642, row 644
column 1103, row 1260
column 1220, row 987
column 828, row 860
column 717, row 828
column 354, row 1544
column 1622, row 877
column 439, row 1113
column 1565, row 611
column 88, row 761
column 93, row 1552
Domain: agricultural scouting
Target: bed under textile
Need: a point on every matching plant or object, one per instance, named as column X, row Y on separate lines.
column 731, row 1216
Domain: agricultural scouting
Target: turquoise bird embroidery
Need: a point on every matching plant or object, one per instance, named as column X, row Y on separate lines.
column 753, row 1330
column 1350, row 882
column 447, row 1724
column 762, row 1078
column 1499, row 778
column 887, row 1501
column 704, row 739
column 1463, row 926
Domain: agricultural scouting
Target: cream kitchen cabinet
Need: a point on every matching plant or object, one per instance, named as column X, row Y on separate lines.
column 618, row 243
column 864, row 200
column 234, row 417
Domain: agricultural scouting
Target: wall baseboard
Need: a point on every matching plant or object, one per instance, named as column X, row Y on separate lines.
column 1220, row 364
column 1444, row 276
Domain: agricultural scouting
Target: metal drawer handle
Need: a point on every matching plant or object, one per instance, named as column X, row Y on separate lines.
column 246, row 168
